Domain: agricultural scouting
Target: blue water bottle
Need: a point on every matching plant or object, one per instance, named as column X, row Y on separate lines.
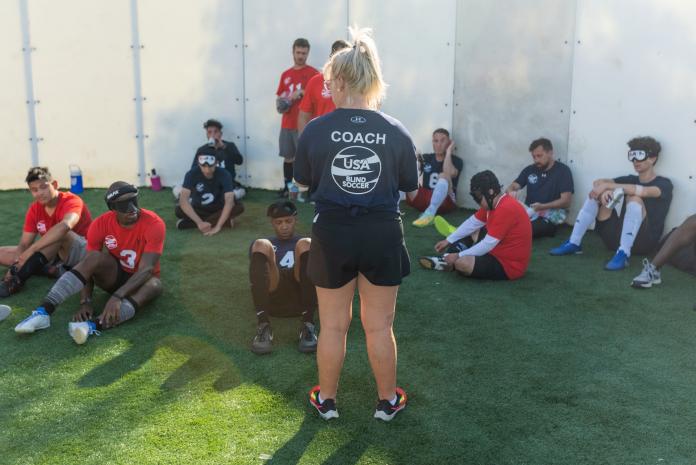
column 76, row 180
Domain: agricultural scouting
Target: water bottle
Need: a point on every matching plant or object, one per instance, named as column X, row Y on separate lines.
column 293, row 190
column 76, row 186
column 155, row 181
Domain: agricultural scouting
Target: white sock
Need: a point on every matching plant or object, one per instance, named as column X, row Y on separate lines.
column 321, row 401
column 393, row 401
column 631, row 224
column 587, row 215
column 439, row 196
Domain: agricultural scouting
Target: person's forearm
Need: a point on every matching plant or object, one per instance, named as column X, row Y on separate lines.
column 467, row 228
column 225, row 215
column 134, row 283
column 558, row 203
column 487, row 244
column 189, row 211
column 55, row 234
column 302, row 119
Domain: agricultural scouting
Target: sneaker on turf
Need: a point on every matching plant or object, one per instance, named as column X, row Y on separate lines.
column 567, row 248
column 618, row 262
column 443, row 227
column 435, row 263
column 386, row 411
column 10, row 283
column 80, row 331
column 308, row 338
column 39, row 319
column 649, row 276
column 263, row 341
column 426, row 219
column 616, row 197
column 5, row 311
column 327, row 408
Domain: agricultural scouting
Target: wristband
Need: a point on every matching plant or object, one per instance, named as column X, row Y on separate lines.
column 116, row 296
column 639, row 190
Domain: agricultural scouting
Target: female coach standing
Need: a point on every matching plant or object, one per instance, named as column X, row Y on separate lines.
column 355, row 160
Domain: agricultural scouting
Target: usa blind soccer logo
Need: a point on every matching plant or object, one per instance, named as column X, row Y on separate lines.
column 356, row 170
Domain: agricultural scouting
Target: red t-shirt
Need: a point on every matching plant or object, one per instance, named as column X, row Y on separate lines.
column 128, row 244
column 38, row 221
column 509, row 223
column 290, row 81
column 317, row 99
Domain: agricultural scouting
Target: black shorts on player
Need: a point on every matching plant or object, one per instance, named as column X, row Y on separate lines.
column 487, row 267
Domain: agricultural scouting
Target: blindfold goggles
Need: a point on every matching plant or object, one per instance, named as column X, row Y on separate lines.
column 207, row 160
column 637, row 155
column 126, row 205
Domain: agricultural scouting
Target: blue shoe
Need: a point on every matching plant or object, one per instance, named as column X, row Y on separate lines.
column 567, row 248
column 618, row 261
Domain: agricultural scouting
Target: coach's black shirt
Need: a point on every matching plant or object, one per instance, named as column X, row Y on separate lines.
column 656, row 208
column 208, row 193
column 356, row 158
column 545, row 186
column 227, row 157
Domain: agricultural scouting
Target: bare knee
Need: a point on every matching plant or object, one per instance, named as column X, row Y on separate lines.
column 153, row 286
column 689, row 224
column 635, row 199
column 302, row 246
column 465, row 264
column 378, row 324
column 263, row 246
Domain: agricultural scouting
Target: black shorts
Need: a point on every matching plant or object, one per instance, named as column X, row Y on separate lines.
column 121, row 277
column 488, row 267
column 344, row 245
column 610, row 232
column 286, row 300
column 541, row 227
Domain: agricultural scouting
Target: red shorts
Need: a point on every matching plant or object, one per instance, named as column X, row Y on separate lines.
column 422, row 201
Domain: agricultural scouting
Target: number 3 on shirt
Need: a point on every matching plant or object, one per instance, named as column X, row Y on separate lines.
column 128, row 258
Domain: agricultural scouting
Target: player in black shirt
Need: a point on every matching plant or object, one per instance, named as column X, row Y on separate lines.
column 643, row 199
column 207, row 199
column 355, row 160
column 227, row 153
column 279, row 282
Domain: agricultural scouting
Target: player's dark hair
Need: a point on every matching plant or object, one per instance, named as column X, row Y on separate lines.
column 300, row 43
column 340, row 44
column 646, row 143
column 441, row 131
column 37, row 173
column 212, row 123
column 481, row 185
column 281, row 209
column 542, row 142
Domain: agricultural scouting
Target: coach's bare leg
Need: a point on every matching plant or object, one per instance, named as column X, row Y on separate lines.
column 465, row 264
column 683, row 236
column 335, row 313
column 265, row 247
column 377, row 308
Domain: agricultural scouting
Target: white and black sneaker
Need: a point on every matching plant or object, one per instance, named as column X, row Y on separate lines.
column 263, row 341
column 308, row 338
column 385, row 410
column 648, row 277
column 435, row 263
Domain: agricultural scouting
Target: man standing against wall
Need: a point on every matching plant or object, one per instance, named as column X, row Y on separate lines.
column 291, row 87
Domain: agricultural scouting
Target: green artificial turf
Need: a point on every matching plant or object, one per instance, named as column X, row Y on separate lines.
column 566, row 366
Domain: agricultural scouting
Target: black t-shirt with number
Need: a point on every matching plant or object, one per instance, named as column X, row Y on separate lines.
column 656, row 208
column 227, row 157
column 356, row 158
column 208, row 193
column 432, row 169
column 546, row 186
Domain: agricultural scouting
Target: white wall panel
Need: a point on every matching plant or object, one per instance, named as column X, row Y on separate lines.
column 416, row 45
column 270, row 29
column 512, row 82
column 83, row 78
column 635, row 74
column 192, row 70
column 14, row 128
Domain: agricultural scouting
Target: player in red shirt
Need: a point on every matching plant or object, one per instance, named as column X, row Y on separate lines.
column 60, row 219
column 317, row 99
column 124, row 246
column 504, row 252
column 291, row 88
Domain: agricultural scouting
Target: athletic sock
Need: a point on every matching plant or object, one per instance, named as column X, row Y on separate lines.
column 258, row 275
column 393, row 401
column 587, row 215
column 69, row 284
column 308, row 293
column 287, row 172
column 33, row 265
column 321, row 401
column 631, row 224
column 128, row 309
column 439, row 196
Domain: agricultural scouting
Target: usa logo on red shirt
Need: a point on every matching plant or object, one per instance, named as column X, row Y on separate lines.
column 110, row 242
column 41, row 227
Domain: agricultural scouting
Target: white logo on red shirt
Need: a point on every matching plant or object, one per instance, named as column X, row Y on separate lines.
column 110, row 242
column 287, row 80
column 41, row 227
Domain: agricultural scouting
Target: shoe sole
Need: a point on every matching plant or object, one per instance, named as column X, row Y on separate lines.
column 261, row 350
column 326, row 416
column 429, row 265
column 421, row 225
column 616, row 269
column 32, row 330
column 648, row 285
column 380, row 415
column 307, row 349
column 5, row 311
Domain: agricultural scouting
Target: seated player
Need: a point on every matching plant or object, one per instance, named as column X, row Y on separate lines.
column 60, row 219
column 124, row 246
column 227, row 154
column 642, row 200
column 279, row 282
column 207, row 199
column 549, row 189
column 504, row 252
column 678, row 248
column 438, row 184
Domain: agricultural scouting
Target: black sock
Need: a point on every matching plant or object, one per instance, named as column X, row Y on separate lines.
column 287, row 172
column 308, row 292
column 258, row 275
column 33, row 265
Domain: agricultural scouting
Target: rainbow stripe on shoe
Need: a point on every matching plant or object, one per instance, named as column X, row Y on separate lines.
column 327, row 408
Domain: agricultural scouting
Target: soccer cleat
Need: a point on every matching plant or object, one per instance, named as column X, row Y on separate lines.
column 386, row 411
column 308, row 338
column 443, row 227
column 38, row 319
column 616, row 197
column 327, row 408
column 567, row 248
column 5, row 311
column 10, row 283
column 263, row 341
column 649, row 276
column 618, row 262
column 435, row 263
column 426, row 219
column 80, row 331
